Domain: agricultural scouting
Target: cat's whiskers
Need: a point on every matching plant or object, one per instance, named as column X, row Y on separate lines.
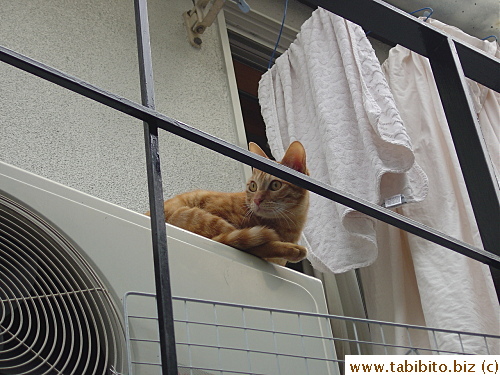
column 248, row 213
column 286, row 215
column 286, row 219
column 300, row 204
column 280, row 206
column 282, row 214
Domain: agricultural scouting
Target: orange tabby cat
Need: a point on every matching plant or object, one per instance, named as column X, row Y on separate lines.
column 265, row 220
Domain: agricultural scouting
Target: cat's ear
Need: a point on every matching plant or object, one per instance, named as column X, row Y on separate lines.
column 295, row 157
column 254, row 147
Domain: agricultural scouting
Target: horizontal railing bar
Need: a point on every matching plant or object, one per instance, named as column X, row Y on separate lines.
column 331, row 340
column 217, row 370
column 145, row 363
column 142, row 317
column 237, row 153
column 319, row 315
column 301, row 335
column 144, row 340
column 306, row 313
column 275, row 353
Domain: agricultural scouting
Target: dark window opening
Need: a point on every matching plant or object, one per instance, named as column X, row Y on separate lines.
column 247, row 79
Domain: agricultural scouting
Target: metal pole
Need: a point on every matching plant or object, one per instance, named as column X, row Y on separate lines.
column 475, row 162
column 469, row 144
column 158, row 228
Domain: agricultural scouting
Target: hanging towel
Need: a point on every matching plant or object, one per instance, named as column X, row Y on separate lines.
column 328, row 91
column 415, row 280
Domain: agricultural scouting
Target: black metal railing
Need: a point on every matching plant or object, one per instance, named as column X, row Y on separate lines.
column 447, row 57
column 168, row 356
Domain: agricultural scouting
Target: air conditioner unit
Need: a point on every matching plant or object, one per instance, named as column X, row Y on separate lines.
column 69, row 262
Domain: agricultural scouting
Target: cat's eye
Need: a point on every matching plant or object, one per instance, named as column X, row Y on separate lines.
column 275, row 185
column 252, row 186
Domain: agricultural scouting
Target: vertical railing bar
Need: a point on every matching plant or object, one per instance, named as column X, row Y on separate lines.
column 475, row 161
column 356, row 337
column 436, row 342
column 188, row 338
column 246, row 339
column 217, row 339
column 275, row 342
column 333, row 352
column 461, row 343
column 409, row 339
column 383, row 338
column 486, row 346
column 127, row 334
column 303, row 344
column 155, row 187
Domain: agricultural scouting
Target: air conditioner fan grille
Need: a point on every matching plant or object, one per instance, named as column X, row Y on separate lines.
column 56, row 317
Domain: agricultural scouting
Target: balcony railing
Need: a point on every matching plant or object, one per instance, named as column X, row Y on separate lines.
column 451, row 61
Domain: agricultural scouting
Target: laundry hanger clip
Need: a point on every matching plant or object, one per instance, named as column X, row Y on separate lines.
column 428, row 12
column 491, row 36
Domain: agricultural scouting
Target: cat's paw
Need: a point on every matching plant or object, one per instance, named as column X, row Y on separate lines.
column 295, row 253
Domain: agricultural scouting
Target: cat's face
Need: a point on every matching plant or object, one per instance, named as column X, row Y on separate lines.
column 272, row 198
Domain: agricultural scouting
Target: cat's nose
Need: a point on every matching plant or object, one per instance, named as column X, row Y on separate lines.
column 258, row 200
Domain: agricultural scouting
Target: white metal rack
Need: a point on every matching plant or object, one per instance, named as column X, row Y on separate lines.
column 227, row 338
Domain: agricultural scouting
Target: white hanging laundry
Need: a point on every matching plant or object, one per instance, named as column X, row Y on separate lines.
column 328, row 91
column 417, row 281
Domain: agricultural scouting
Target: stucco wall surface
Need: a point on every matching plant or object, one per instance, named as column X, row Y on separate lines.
column 77, row 142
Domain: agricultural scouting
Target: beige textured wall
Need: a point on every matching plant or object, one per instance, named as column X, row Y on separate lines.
column 75, row 141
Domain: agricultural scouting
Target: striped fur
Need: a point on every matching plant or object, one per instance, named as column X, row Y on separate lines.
column 265, row 220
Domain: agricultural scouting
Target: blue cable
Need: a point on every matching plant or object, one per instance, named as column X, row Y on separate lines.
column 426, row 8
column 491, row 36
column 279, row 36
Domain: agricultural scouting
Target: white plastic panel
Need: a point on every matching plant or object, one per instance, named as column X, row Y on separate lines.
column 117, row 242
